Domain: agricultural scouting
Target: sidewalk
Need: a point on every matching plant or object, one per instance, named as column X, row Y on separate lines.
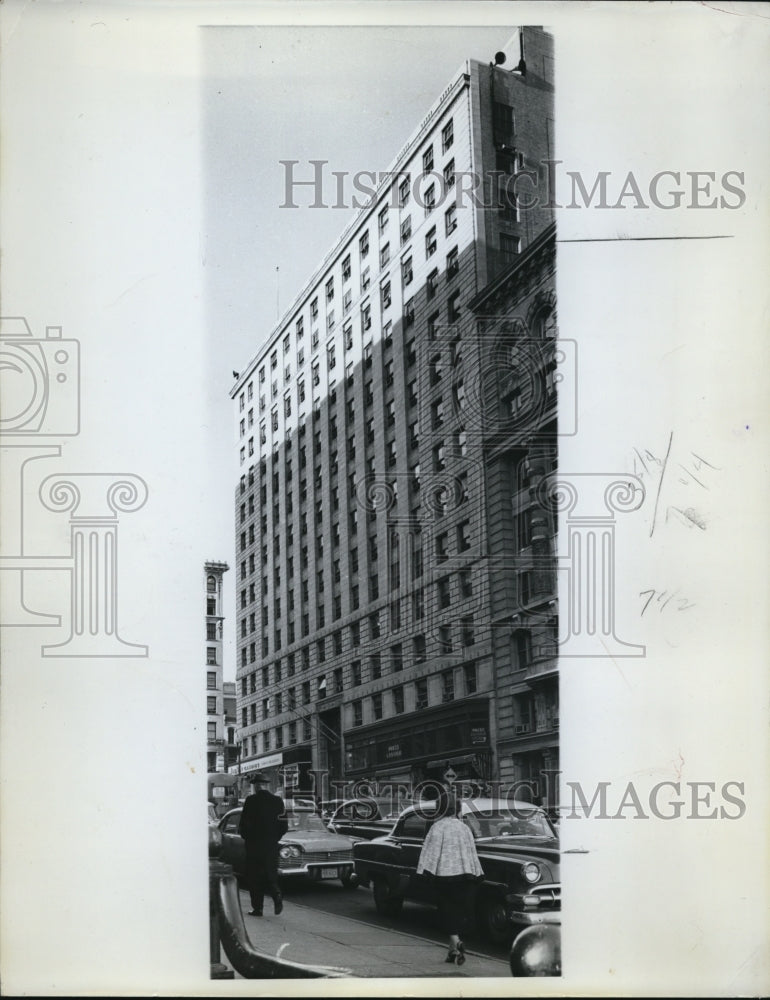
column 303, row 934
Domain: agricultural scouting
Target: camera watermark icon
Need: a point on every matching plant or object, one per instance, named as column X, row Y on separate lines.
column 40, row 400
column 40, row 381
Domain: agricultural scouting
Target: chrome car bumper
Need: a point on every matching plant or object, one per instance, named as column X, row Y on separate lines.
column 542, row 905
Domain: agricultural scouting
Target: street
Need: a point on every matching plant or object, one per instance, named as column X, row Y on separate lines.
column 351, row 935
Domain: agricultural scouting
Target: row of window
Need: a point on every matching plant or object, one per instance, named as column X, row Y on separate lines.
column 453, row 316
column 443, row 595
column 429, row 202
column 361, row 671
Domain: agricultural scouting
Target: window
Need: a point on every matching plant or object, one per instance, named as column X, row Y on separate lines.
column 211, row 656
column 347, row 301
column 403, row 192
column 338, row 680
column 406, row 229
column 503, row 119
column 444, row 639
column 385, row 294
column 300, row 327
column 464, row 536
column 461, row 443
column 355, row 672
column 374, row 625
column 409, row 320
column 406, row 271
column 453, row 307
column 510, row 245
column 427, row 160
column 430, row 199
column 331, row 357
column 376, row 705
column 444, row 593
column 211, row 705
column 466, row 583
column 432, row 284
column 449, row 174
column 421, row 694
column 439, row 458
column 366, row 316
column 330, row 319
column 385, row 255
column 396, row 658
column 363, row 245
column 382, row 220
column 447, row 136
column 466, row 626
column 306, row 692
column 448, row 685
column 398, row 699
column 522, row 643
column 365, row 279
column 430, row 242
column 211, row 679
column 442, row 547
column 452, row 263
column 211, row 728
column 450, row 219
column 418, row 648
column 346, row 268
column 358, row 713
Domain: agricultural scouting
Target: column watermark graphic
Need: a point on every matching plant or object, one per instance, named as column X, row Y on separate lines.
column 40, row 402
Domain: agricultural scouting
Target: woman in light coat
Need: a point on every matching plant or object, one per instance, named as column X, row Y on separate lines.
column 449, row 857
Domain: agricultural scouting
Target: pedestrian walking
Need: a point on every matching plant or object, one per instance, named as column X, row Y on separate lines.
column 263, row 823
column 449, row 857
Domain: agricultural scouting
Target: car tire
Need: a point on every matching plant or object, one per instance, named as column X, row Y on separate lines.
column 348, row 881
column 386, row 903
column 492, row 919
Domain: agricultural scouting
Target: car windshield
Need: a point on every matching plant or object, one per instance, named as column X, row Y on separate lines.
column 306, row 822
column 486, row 825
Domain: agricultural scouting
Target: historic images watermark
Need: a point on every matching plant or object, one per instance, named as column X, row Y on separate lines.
column 663, row 800
column 40, row 403
column 522, row 188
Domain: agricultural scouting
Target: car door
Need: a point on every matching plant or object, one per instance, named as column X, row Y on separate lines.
column 233, row 848
column 408, row 837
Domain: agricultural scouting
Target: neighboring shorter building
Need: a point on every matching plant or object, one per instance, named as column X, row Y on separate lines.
column 215, row 688
column 516, row 323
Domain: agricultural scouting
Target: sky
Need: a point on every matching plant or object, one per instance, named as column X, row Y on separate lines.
column 347, row 95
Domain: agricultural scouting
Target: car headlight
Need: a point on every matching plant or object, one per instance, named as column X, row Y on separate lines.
column 531, row 872
column 290, row 851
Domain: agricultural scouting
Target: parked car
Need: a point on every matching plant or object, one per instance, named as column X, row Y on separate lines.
column 518, row 849
column 365, row 819
column 308, row 848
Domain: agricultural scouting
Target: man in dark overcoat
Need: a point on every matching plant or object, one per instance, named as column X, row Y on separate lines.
column 263, row 823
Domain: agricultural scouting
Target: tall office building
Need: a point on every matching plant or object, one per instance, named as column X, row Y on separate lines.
column 375, row 627
column 216, row 737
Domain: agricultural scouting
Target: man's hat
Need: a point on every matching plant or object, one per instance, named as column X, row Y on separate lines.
column 258, row 778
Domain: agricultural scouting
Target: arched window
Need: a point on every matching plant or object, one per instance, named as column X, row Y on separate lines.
column 211, row 584
column 544, row 326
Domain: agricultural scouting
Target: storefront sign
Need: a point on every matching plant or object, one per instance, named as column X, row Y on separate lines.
column 478, row 735
column 273, row 760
